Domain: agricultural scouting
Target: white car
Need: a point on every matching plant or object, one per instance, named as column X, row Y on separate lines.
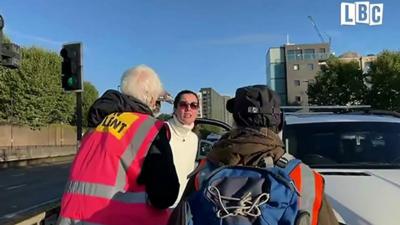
column 359, row 157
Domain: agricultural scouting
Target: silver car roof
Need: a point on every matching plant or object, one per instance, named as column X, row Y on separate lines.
column 331, row 118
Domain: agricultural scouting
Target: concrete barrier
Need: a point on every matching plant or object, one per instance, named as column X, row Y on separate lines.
column 33, row 155
column 35, row 152
column 15, row 136
column 20, row 145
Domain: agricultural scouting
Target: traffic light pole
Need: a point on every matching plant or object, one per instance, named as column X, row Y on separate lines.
column 72, row 78
column 79, row 116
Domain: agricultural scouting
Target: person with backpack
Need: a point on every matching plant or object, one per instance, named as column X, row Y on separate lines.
column 247, row 178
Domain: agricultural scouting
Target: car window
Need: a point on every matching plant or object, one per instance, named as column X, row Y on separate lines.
column 209, row 132
column 344, row 142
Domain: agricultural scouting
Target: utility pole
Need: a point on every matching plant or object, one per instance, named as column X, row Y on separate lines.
column 79, row 116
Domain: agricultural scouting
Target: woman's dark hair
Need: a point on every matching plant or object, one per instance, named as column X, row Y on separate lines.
column 179, row 96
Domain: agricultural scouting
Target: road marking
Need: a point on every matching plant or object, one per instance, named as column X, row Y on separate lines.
column 18, row 175
column 15, row 187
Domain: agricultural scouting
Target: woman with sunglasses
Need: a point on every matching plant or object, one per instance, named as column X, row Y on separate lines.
column 183, row 141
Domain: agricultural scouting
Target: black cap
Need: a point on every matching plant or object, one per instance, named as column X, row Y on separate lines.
column 256, row 106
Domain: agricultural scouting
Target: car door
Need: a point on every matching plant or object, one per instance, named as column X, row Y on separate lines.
column 209, row 131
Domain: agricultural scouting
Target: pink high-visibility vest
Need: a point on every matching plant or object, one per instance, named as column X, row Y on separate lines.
column 102, row 187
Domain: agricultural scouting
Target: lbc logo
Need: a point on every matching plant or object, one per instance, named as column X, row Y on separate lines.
column 361, row 12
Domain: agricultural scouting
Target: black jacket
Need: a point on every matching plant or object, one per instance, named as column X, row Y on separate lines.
column 158, row 173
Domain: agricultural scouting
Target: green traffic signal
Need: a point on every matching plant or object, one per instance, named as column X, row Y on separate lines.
column 71, row 82
column 71, row 69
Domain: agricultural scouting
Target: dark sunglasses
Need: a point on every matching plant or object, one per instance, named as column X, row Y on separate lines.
column 192, row 105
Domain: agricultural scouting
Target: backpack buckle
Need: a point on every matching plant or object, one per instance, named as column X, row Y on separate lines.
column 284, row 160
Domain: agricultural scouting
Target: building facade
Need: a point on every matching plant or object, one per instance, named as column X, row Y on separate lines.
column 228, row 118
column 291, row 67
column 363, row 61
column 200, row 109
column 213, row 105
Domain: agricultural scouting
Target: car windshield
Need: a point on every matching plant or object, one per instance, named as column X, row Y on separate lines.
column 345, row 143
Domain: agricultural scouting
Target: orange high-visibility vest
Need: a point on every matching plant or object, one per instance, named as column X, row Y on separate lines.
column 310, row 185
column 102, row 187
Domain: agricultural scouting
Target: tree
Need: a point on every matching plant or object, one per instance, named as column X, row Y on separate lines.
column 164, row 116
column 32, row 95
column 203, row 130
column 384, row 78
column 89, row 95
column 338, row 83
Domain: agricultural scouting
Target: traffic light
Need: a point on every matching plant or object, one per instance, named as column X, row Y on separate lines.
column 10, row 55
column 71, row 67
column 1, row 35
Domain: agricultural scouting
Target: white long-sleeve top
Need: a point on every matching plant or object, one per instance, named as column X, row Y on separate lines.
column 184, row 149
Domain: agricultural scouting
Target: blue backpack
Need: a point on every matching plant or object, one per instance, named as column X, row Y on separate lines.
column 239, row 195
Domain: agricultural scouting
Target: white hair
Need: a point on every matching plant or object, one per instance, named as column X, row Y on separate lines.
column 143, row 83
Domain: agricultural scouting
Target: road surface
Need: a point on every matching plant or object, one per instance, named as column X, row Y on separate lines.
column 22, row 189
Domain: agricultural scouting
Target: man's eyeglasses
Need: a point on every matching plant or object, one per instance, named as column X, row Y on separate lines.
column 192, row 105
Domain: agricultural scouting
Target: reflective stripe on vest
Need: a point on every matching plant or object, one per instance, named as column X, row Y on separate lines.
column 310, row 186
column 67, row 221
column 104, row 191
column 120, row 144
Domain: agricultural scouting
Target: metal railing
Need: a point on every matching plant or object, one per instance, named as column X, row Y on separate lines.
column 307, row 56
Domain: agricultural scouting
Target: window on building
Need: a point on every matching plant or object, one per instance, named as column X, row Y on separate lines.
column 295, row 54
column 296, row 67
column 296, row 83
column 310, row 66
column 298, row 52
column 309, row 53
column 321, row 54
column 291, row 55
column 298, row 99
column 277, row 70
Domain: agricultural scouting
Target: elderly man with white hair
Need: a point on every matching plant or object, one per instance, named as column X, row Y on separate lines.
column 123, row 172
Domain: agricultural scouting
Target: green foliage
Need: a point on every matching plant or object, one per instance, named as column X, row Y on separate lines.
column 164, row 116
column 32, row 95
column 203, row 130
column 338, row 83
column 90, row 94
column 342, row 83
column 384, row 78
column 6, row 39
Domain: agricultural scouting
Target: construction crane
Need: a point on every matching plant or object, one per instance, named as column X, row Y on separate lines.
column 318, row 32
